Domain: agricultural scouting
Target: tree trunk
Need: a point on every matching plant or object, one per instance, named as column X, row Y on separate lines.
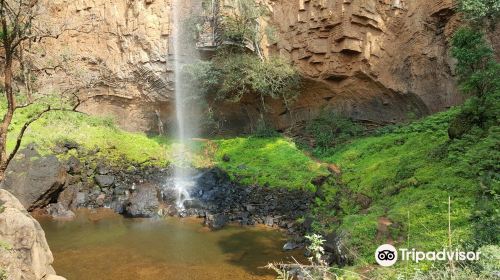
column 7, row 119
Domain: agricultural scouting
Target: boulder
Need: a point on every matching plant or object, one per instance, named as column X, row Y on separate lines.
column 335, row 247
column 36, row 181
column 26, row 254
column 58, row 211
column 143, row 201
column 216, row 221
column 104, row 181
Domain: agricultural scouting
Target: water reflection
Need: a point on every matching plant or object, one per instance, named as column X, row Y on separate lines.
column 104, row 245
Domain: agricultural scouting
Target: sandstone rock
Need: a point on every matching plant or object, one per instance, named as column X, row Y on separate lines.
column 35, row 180
column 29, row 256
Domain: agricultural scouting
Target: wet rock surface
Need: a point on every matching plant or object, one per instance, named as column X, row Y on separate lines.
column 34, row 180
column 218, row 200
column 143, row 201
column 149, row 192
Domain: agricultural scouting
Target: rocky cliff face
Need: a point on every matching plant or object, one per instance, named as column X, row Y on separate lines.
column 113, row 52
column 373, row 60
column 24, row 253
column 381, row 61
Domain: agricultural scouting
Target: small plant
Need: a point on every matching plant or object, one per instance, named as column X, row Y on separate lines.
column 5, row 246
column 3, row 274
column 318, row 268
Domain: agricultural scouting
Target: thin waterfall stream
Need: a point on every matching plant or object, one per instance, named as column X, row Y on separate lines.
column 185, row 128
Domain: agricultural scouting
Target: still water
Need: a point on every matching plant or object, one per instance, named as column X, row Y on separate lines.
column 103, row 245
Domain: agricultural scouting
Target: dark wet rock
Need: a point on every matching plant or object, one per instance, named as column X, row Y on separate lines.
column 58, row 211
column 216, row 221
column 35, row 180
column 290, row 245
column 73, row 166
column 338, row 253
column 363, row 200
column 104, row 180
column 81, row 199
column 143, row 202
column 269, row 221
column 194, row 204
column 102, row 169
column 70, row 145
column 318, row 181
column 226, row 158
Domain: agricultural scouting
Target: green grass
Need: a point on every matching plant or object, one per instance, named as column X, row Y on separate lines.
column 409, row 172
column 89, row 132
column 274, row 162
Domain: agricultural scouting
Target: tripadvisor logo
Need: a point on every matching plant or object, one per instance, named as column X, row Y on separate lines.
column 388, row 255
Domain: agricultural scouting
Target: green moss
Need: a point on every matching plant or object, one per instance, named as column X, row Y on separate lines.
column 5, row 246
column 409, row 172
column 274, row 162
column 90, row 133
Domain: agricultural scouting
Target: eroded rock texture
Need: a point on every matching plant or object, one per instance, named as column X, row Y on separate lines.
column 24, row 252
column 374, row 60
column 380, row 61
column 114, row 52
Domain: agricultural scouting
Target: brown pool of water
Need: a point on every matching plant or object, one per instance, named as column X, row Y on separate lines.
column 103, row 245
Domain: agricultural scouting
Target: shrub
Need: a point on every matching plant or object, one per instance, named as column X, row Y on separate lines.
column 331, row 129
column 478, row 11
column 231, row 75
column 478, row 74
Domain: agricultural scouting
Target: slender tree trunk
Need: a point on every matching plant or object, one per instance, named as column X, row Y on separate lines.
column 7, row 119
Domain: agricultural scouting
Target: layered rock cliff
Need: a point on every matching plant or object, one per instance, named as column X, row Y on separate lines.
column 113, row 52
column 379, row 61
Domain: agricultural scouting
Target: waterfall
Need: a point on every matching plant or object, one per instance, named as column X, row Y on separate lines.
column 185, row 121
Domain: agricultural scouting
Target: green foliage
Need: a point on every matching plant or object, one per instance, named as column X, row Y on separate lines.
column 477, row 11
column 411, row 170
column 478, row 73
column 330, row 129
column 274, row 162
column 5, row 246
column 231, row 75
column 3, row 274
column 471, row 51
column 241, row 22
column 90, row 133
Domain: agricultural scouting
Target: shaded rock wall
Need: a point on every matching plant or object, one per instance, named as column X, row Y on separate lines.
column 375, row 60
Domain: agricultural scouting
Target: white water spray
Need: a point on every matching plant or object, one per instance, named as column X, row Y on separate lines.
column 183, row 180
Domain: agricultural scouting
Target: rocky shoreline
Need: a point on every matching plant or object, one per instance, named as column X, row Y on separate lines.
column 53, row 186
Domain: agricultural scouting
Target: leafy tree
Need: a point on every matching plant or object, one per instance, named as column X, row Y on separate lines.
column 241, row 23
column 478, row 74
column 18, row 26
column 232, row 74
column 479, row 11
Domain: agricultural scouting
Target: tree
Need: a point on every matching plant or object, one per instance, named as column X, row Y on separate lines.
column 480, row 11
column 478, row 74
column 18, row 25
